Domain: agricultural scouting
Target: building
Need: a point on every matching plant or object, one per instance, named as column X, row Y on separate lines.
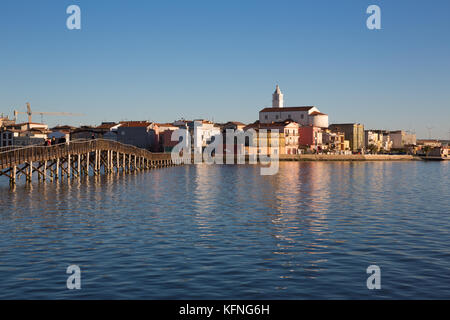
column 305, row 116
column 310, row 138
column 7, row 137
column 377, row 140
column 137, row 133
column 237, row 129
column 165, row 143
column 429, row 143
column 23, row 134
column 107, row 130
column 353, row 132
column 203, row 132
column 334, row 141
column 442, row 152
column 288, row 137
column 61, row 132
column 5, row 121
column 401, row 139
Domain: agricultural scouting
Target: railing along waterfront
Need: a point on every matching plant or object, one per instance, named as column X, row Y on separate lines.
column 78, row 157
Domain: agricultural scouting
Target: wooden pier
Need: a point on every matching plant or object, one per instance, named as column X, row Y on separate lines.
column 76, row 159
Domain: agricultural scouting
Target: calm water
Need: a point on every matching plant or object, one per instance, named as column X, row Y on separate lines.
column 226, row 232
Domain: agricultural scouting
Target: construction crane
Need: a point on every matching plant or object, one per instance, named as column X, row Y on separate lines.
column 30, row 113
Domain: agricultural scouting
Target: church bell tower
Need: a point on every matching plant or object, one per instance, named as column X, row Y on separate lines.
column 277, row 98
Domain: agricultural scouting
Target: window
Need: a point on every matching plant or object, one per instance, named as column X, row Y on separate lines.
column 276, row 117
column 265, row 117
column 302, row 116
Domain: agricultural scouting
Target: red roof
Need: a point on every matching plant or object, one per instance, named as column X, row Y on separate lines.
column 269, row 125
column 317, row 113
column 287, row 109
column 106, row 125
column 135, row 124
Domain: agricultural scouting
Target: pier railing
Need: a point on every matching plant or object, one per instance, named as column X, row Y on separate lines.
column 33, row 153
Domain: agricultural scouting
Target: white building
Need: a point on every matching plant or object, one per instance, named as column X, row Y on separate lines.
column 204, row 133
column 305, row 116
column 378, row 140
column 401, row 139
column 23, row 134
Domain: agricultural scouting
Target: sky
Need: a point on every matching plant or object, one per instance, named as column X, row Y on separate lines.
column 220, row 60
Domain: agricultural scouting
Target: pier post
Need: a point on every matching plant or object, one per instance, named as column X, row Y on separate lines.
column 79, row 164
column 57, row 169
column 69, row 166
column 96, row 162
column 87, row 164
column 117, row 161
column 28, row 172
column 12, row 180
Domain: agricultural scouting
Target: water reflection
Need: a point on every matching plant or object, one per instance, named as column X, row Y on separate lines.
column 226, row 231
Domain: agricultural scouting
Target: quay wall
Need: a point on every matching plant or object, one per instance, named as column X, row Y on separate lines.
column 352, row 157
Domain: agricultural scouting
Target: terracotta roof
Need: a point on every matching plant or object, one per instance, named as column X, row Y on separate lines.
column 62, row 128
column 269, row 125
column 135, row 124
column 236, row 123
column 287, row 109
column 317, row 113
column 165, row 125
column 107, row 125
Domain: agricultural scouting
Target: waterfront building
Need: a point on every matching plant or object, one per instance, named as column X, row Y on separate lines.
column 429, row 143
column 440, row 151
column 238, row 128
column 164, row 137
column 137, row 133
column 108, row 130
column 310, row 137
column 165, row 140
column 402, row 139
column 203, row 132
column 333, row 141
column 288, row 137
column 353, row 132
column 61, row 132
column 23, row 134
column 377, row 140
column 305, row 116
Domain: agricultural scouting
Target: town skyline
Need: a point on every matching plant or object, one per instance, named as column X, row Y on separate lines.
column 161, row 63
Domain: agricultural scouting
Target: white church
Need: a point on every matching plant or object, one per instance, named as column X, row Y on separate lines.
column 305, row 116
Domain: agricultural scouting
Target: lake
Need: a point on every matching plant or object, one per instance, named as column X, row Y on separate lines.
column 226, row 232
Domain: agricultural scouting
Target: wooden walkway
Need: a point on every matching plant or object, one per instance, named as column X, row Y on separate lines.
column 76, row 159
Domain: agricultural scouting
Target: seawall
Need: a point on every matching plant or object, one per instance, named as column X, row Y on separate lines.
column 353, row 157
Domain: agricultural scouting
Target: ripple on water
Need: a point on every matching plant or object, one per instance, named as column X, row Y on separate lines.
column 218, row 232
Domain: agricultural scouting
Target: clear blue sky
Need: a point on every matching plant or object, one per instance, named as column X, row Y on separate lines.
column 220, row 60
